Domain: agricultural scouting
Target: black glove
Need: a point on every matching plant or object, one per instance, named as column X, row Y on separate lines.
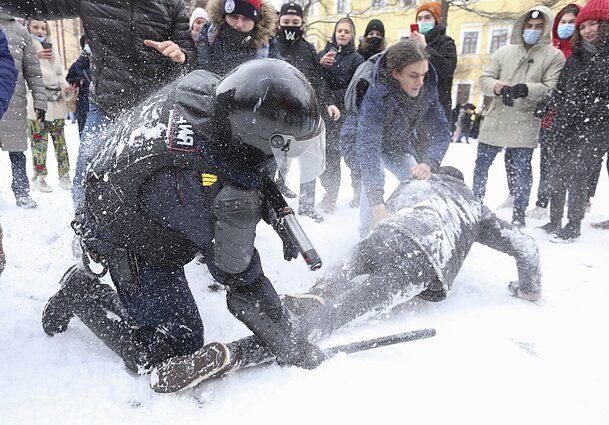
column 520, row 90
column 290, row 249
column 541, row 109
column 40, row 114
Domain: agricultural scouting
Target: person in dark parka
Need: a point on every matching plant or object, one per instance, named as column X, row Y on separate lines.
column 580, row 125
column 8, row 74
column 183, row 173
column 297, row 51
column 416, row 252
column 339, row 61
column 137, row 47
column 79, row 74
column 373, row 41
column 237, row 31
column 440, row 48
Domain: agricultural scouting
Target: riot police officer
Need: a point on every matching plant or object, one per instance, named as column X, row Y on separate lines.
column 183, row 173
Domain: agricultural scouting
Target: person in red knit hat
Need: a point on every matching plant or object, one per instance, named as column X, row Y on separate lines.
column 581, row 122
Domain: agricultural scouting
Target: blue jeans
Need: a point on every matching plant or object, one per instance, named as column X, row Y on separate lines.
column 518, row 167
column 95, row 124
column 399, row 167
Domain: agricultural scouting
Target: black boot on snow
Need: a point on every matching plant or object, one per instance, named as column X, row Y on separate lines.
column 299, row 304
column 59, row 310
column 551, row 228
column 311, row 213
column 567, row 234
column 287, row 192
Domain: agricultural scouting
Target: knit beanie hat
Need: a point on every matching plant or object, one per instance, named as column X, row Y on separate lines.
column 199, row 12
column 434, row 7
column 375, row 24
column 593, row 10
column 249, row 8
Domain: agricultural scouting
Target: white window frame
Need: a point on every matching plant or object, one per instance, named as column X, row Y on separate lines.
column 474, row 27
column 496, row 28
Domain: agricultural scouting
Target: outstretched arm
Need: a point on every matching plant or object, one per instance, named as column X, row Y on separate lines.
column 502, row 236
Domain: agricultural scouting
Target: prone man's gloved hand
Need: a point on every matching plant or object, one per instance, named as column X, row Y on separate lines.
column 517, row 291
column 308, row 356
column 290, row 250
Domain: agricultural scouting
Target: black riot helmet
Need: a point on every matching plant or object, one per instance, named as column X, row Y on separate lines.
column 270, row 105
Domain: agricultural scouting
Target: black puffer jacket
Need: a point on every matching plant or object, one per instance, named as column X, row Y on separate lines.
column 443, row 56
column 581, row 96
column 338, row 76
column 302, row 55
column 124, row 71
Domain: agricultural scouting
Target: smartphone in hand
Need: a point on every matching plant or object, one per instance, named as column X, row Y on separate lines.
column 47, row 45
column 414, row 28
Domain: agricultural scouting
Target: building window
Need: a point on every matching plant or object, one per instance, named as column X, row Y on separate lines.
column 499, row 39
column 342, row 7
column 379, row 4
column 470, row 42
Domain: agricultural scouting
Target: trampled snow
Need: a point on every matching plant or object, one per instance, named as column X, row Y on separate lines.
column 496, row 359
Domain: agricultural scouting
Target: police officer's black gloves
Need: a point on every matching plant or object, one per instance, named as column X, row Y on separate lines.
column 290, row 249
column 40, row 114
column 517, row 91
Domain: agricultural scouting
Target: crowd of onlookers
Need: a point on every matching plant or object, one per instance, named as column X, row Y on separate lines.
column 384, row 107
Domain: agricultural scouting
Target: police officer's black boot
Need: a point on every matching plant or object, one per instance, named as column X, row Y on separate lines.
column 260, row 309
column 99, row 308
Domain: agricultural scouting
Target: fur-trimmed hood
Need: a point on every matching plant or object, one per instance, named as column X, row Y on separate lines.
column 264, row 29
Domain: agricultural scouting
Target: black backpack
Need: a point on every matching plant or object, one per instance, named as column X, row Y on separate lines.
column 362, row 79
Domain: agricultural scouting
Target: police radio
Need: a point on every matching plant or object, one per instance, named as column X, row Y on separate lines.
column 285, row 217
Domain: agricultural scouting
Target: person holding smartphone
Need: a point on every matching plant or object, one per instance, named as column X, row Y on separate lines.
column 58, row 93
column 430, row 33
column 339, row 60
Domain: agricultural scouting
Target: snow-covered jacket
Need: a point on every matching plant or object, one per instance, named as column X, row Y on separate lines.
column 581, row 97
column 538, row 67
column 52, row 75
column 8, row 74
column 443, row 56
column 13, row 127
column 124, row 70
column 221, row 48
column 444, row 218
column 392, row 123
column 338, row 76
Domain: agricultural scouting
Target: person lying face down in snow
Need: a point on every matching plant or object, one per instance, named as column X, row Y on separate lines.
column 417, row 251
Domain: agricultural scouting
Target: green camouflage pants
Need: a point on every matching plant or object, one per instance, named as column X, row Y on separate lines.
column 39, row 135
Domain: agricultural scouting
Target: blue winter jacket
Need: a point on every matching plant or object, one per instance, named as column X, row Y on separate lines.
column 8, row 74
column 391, row 123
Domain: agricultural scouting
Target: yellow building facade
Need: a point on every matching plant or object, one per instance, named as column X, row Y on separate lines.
column 477, row 33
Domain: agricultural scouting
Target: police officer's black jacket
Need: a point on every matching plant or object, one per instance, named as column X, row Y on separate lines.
column 302, row 55
column 170, row 137
column 124, row 70
column 443, row 56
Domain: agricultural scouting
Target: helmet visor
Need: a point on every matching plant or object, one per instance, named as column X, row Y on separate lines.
column 301, row 159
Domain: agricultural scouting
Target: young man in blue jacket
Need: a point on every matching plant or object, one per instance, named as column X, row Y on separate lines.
column 401, row 126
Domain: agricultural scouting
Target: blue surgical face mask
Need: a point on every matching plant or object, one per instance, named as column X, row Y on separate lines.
column 425, row 27
column 531, row 36
column 41, row 39
column 565, row 31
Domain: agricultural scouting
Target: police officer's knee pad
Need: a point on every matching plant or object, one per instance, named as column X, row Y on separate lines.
column 237, row 212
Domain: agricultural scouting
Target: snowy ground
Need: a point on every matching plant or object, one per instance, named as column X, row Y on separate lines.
column 495, row 359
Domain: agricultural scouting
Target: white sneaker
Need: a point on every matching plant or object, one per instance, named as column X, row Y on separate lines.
column 538, row 213
column 64, row 182
column 39, row 184
column 508, row 203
